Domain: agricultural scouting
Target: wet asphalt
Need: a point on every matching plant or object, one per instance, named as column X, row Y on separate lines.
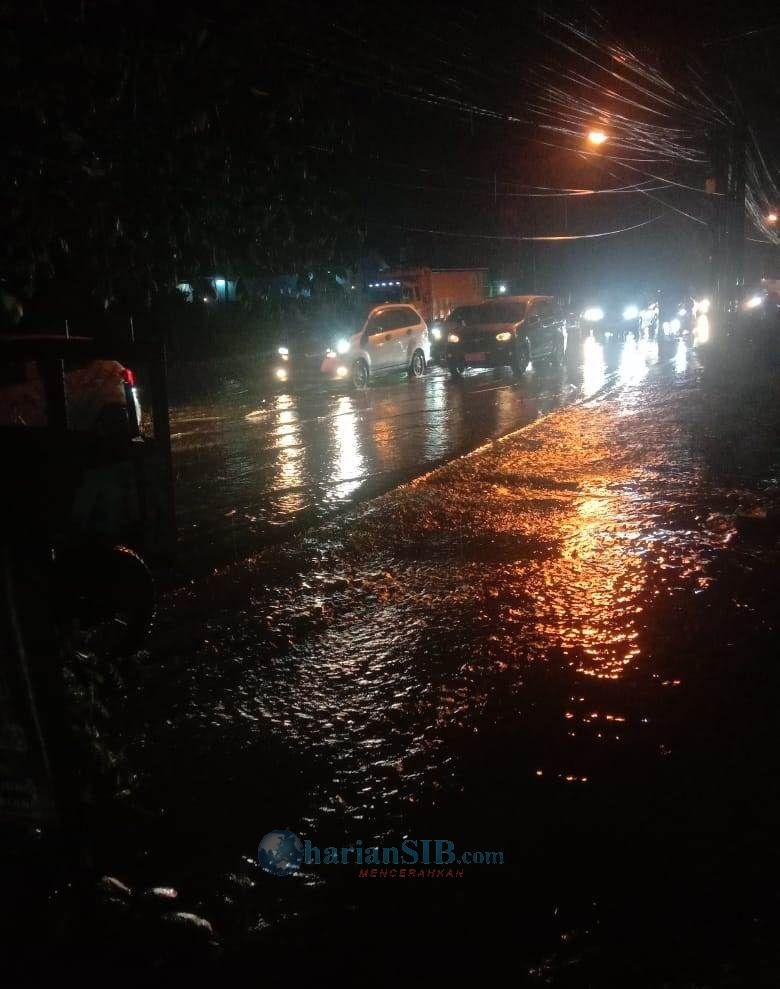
column 560, row 647
column 252, row 462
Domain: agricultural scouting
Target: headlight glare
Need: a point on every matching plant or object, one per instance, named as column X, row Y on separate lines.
column 593, row 314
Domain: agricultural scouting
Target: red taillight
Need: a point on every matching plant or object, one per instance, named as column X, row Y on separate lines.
column 128, row 377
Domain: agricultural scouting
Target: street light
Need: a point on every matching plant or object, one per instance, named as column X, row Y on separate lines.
column 597, row 137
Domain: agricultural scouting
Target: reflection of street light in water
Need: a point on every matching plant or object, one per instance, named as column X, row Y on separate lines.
column 436, row 433
column 701, row 331
column 633, row 362
column 588, row 595
column 287, row 482
column 593, row 368
column 681, row 357
column 348, row 461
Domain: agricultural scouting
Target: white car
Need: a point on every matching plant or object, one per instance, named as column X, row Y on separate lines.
column 393, row 338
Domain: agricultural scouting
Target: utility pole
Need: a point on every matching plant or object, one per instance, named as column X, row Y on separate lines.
column 736, row 217
column 727, row 219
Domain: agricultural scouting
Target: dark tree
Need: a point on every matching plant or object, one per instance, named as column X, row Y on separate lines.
column 148, row 143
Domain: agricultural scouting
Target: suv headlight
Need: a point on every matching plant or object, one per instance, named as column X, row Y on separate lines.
column 453, row 338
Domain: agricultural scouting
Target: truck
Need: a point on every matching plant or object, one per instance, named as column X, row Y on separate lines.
column 434, row 292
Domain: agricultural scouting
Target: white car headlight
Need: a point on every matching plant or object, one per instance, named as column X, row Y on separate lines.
column 754, row 302
column 342, row 346
column 283, row 352
column 630, row 312
column 503, row 336
column 436, row 333
column 593, row 315
column 453, row 338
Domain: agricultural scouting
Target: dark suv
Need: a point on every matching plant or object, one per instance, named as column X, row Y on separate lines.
column 513, row 330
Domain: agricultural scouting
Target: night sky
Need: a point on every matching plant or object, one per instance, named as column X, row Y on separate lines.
column 301, row 134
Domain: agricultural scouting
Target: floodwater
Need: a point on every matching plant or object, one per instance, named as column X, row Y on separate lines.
column 558, row 648
column 252, row 463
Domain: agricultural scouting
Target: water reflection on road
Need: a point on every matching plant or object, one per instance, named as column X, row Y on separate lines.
column 248, row 462
column 552, row 666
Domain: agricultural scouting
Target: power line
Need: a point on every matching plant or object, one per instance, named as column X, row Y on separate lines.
column 553, row 194
column 548, row 238
column 622, row 163
column 743, row 34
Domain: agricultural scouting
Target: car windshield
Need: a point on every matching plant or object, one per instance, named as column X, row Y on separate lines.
column 498, row 312
column 462, row 313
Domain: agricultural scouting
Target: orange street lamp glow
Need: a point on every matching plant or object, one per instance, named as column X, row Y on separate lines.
column 597, row 137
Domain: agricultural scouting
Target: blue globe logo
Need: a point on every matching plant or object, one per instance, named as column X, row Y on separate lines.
column 280, row 853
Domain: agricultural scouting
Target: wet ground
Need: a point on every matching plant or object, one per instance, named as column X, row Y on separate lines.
column 252, row 462
column 561, row 647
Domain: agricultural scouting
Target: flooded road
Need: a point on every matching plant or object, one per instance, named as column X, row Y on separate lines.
column 559, row 647
column 251, row 464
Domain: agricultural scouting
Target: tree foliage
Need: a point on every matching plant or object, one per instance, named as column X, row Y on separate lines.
column 150, row 143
